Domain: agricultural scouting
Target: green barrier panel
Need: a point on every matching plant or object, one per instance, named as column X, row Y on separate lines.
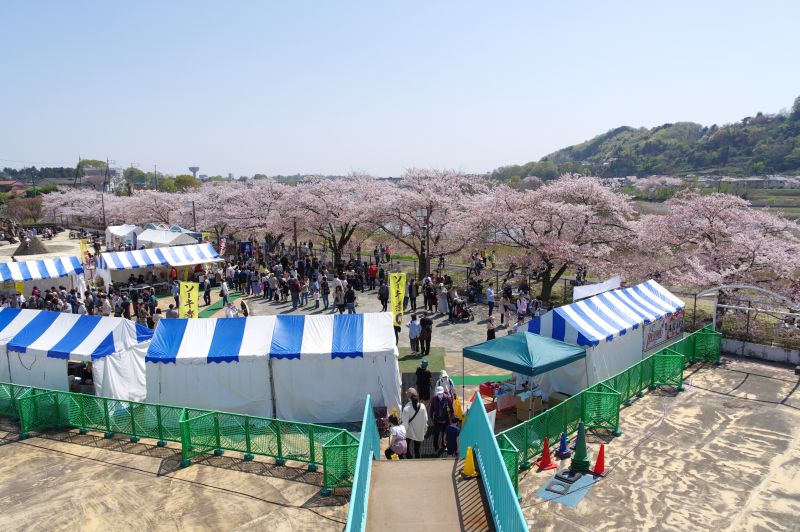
column 601, row 408
column 510, row 454
column 668, row 369
column 198, row 431
column 339, row 456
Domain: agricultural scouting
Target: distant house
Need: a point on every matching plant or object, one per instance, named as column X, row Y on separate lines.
column 12, row 186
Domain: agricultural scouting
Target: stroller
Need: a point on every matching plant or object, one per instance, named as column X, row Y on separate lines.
column 461, row 311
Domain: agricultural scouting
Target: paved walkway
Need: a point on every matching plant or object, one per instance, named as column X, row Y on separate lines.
column 412, row 495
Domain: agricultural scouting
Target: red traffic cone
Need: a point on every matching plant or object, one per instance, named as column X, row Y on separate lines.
column 600, row 464
column 545, row 462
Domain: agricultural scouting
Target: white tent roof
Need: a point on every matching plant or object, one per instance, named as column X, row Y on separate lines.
column 606, row 316
column 121, row 231
column 166, row 256
column 68, row 336
column 158, row 237
column 282, row 337
column 32, row 270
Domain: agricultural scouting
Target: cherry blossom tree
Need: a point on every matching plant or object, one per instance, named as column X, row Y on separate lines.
column 216, row 207
column 264, row 210
column 427, row 210
column 572, row 222
column 85, row 207
column 718, row 239
column 656, row 185
column 332, row 209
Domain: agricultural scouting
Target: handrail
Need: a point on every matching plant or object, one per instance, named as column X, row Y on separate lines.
column 368, row 448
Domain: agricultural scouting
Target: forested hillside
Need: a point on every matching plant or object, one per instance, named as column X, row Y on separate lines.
column 757, row 145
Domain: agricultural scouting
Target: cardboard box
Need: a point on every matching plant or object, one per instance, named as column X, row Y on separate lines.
column 527, row 409
column 555, row 398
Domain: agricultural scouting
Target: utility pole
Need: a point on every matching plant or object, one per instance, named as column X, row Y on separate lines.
column 296, row 250
column 194, row 217
column 105, row 180
column 155, row 175
column 103, row 204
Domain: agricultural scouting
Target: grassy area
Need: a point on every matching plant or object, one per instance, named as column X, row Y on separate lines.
column 409, row 363
column 212, row 309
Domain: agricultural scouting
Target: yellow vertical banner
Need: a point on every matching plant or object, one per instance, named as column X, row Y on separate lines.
column 84, row 250
column 397, row 291
column 189, row 306
column 20, row 286
column 186, row 273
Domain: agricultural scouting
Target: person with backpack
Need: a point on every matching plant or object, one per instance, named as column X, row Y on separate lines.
column 442, row 412
column 415, row 421
column 383, row 296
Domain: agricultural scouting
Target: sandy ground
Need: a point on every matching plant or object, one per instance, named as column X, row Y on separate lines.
column 724, row 455
column 62, row 481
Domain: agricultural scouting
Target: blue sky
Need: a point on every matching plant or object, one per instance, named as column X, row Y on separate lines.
column 375, row 86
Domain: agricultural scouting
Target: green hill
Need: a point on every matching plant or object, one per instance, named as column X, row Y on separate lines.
column 757, row 145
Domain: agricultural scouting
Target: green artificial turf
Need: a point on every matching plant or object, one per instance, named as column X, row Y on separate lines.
column 409, row 363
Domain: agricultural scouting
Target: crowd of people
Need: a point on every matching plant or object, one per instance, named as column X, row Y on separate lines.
column 426, row 415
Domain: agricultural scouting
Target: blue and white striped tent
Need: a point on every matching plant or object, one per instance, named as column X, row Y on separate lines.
column 606, row 316
column 171, row 256
column 318, row 365
column 614, row 327
column 37, row 345
column 34, row 270
column 177, row 256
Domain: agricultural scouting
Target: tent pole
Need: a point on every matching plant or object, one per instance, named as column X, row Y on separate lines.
column 272, row 389
column 463, row 394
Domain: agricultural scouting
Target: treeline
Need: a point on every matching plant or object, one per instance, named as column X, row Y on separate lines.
column 757, row 145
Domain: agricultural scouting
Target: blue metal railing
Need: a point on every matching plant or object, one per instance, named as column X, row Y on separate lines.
column 368, row 448
column 478, row 434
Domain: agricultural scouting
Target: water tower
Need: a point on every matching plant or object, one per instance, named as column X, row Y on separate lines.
column 194, row 170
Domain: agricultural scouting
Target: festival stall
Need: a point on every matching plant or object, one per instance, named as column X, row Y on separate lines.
column 36, row 347
column 154, row 263
column 159, row 238
column 126, row 234
column 617, row 329
column 22, row 276
column 315, row 369
column 529, row 355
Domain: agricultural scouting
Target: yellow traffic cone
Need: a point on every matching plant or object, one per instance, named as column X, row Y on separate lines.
column 469, row 465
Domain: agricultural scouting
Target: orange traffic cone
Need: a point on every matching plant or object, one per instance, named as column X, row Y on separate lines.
column 600, row 464
column 545, row 463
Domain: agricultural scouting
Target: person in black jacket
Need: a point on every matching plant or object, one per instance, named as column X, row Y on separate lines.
column 383, row 296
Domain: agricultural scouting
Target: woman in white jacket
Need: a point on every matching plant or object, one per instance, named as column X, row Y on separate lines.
column 415, row 421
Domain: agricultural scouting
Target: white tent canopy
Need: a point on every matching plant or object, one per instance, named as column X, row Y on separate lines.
column 156, row 238
column 35, row 346
column 178, row 256
column 320, row 367
column 66, row 270
column 617, row 328
column 122, row 233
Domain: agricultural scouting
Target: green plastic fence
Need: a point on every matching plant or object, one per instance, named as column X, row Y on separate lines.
column 599, row 405
column 198, row 431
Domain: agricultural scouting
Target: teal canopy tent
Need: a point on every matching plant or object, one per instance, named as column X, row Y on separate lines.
column 525, row 353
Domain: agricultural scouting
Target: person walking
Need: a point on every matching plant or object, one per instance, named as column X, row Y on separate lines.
column 294, row 290
column 442, row 412
column 350, row 300
column 413, row 292
column 447, row 383
column 397, row 439
column 176, row 292
column 224, row 291
column 325, row 291
column 207, row 291
column 490, row 298
column 425, row 335
column 443, row 307
column 338, row 299
column 414, row 329
column 383, row 296
column 424, row 378
column 315, row 293
column 415, row 421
